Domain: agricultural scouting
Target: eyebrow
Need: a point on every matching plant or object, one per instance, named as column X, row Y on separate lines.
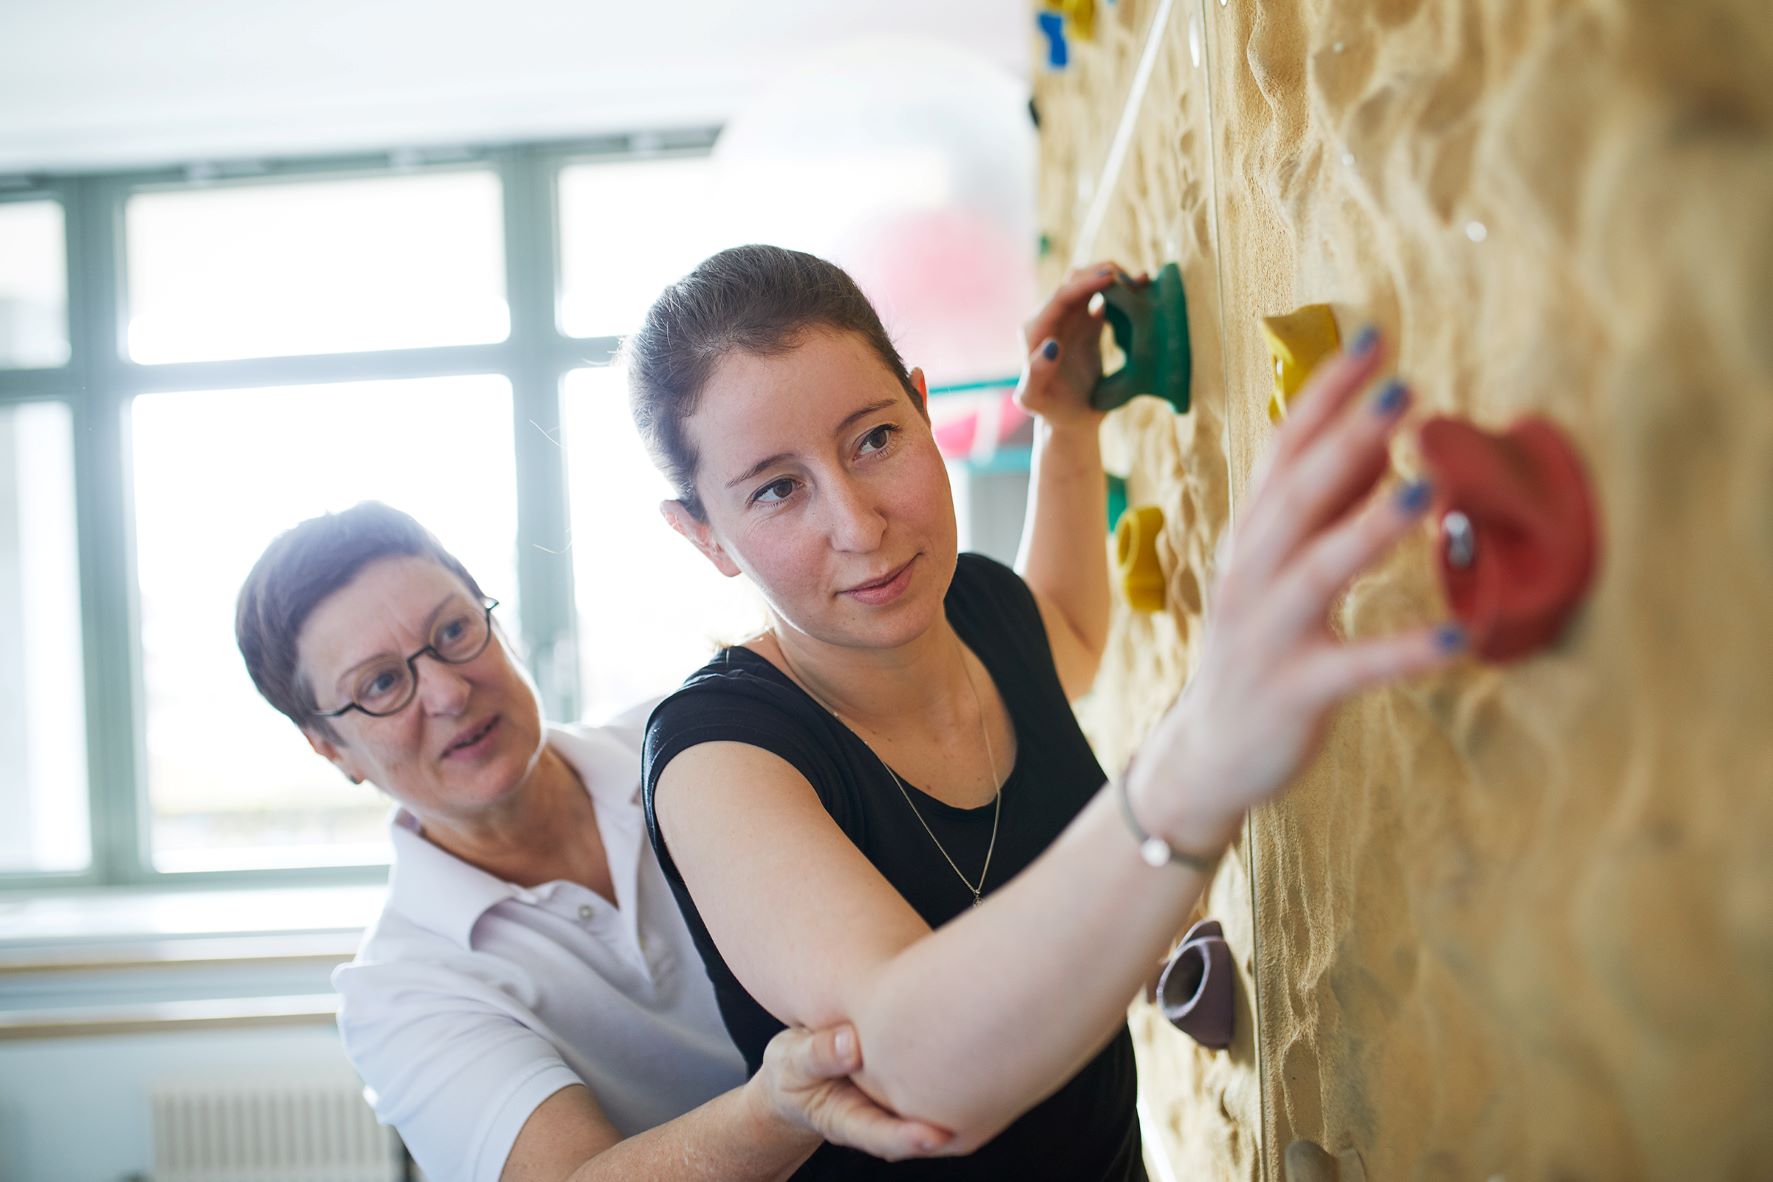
column 429, row 620
column 767, row 462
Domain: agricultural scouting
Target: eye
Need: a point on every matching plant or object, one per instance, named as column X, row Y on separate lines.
column 878, row 439
column 379, row 685
column 774, row 493
column 452, row 631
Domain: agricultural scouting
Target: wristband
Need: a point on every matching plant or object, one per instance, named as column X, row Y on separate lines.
column 1154, row 851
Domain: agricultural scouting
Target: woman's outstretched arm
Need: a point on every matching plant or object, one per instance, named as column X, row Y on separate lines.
column 1062, row 555
column 972, row 1024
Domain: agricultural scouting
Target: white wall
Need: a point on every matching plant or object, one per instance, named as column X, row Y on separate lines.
column 106, row 83
column 76, row 1109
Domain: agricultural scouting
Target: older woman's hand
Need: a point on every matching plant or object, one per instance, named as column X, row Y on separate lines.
column 805, row 1081
column 1064, row 340
column 1271, row 669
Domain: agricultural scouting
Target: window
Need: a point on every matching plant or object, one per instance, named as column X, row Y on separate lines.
column 245, row 353
column 334, row 266
column 33, row 285
column 226, row 357
column 637, row 636
column 42, row 715
column 231, row 783
column 627, row 230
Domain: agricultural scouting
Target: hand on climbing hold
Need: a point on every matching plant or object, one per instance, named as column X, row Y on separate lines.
column 1271, row 668
column 1064, row 340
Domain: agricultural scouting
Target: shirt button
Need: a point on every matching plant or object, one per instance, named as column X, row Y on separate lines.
column 586, row 911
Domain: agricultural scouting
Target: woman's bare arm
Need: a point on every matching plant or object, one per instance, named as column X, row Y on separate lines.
column 1063, row 555
column 967, row 1026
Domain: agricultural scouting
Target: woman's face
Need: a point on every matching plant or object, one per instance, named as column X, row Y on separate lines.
column 822, row 483
column 472, row 732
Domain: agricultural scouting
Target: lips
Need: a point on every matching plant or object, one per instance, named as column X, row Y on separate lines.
column 470, row 738
column 884, row 590
column 877, row 584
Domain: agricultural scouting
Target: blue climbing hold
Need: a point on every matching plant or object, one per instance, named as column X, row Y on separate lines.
column 1058, row 52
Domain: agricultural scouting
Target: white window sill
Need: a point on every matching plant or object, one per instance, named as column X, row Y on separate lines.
column 80, row 963
column 60, row 922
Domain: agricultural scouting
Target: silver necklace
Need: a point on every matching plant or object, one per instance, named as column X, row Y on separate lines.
column 990, row 758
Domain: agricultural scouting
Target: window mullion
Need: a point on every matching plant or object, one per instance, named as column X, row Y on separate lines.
column 114, row 740
column 544, row 554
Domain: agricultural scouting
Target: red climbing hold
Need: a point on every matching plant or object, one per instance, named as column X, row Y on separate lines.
column 1519, row 531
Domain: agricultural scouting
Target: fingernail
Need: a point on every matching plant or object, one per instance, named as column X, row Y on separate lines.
column 846, row 1043
column 1392, row 398
column 926, row 1145
column 1364, row 341
column 1449, row 638
column 1413, row 497
column 1050, row 350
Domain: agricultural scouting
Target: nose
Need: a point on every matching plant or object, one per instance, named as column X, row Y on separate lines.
column 442, row 690
column 853, row 515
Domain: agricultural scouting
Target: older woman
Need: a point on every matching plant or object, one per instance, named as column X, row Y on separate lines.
column 528, row 1005
column 881, row 810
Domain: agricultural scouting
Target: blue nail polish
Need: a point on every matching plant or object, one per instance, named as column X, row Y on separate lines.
column 1364, row 341
column 1413, row 497
column 1393, row 396
column 1449, row 638
column 1050, row 350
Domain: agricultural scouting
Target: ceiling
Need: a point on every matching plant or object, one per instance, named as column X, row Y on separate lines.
column 103, row 84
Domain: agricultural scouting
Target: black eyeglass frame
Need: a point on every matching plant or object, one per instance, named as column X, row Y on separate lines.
column 412, row 668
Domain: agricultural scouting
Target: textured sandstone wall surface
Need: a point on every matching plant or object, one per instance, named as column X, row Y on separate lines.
column 1516, row 922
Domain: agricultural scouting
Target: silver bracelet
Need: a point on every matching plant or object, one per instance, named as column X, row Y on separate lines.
column 1154, row 851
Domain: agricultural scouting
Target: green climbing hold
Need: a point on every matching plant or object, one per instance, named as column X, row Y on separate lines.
column 1150, row 325
column 1117, row 500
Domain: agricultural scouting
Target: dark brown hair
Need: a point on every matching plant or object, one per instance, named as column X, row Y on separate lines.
column 758, row 299
column 297, row 572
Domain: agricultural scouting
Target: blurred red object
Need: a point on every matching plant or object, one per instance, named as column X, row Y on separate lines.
column 1519, row 527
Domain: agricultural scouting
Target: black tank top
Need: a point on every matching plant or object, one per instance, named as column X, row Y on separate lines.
column 1087, row 1129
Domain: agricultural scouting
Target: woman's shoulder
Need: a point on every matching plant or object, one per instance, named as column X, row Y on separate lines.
column 982, row 573
column 988, row 601
column 734, row 681
column 738, row 696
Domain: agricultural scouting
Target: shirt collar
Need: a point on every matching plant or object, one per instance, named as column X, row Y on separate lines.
column 607, row 759
column 440, row 892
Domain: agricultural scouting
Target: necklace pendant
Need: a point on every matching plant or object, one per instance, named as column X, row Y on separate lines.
column 977, row 899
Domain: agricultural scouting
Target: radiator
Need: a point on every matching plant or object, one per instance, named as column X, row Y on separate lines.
column 304, row 1130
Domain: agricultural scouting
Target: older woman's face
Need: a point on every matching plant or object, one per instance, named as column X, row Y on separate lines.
column 822, row 483
column 472, row 732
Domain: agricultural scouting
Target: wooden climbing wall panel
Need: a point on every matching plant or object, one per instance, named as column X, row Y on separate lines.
column 1516, row 921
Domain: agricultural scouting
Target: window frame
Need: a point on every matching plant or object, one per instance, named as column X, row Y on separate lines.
column 100, row 380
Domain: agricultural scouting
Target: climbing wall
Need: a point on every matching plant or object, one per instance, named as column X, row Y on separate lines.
column 1517, row 921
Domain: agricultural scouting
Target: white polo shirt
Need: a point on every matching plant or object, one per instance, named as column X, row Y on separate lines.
column 472, row 999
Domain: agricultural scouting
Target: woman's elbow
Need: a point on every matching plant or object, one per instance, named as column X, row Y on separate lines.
column 971, row 1115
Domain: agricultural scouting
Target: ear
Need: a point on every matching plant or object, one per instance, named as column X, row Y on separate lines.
column 922, row 386
column 696, row 531
column 333, row 753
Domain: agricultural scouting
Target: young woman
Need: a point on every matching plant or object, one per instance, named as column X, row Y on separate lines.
column 881, row 810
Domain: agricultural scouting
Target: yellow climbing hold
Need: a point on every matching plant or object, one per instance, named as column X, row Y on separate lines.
column 1081, row 14
column 1135, row 548
column 1297, row 342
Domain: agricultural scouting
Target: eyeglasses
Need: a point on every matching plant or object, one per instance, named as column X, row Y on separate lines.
column 386, row 686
